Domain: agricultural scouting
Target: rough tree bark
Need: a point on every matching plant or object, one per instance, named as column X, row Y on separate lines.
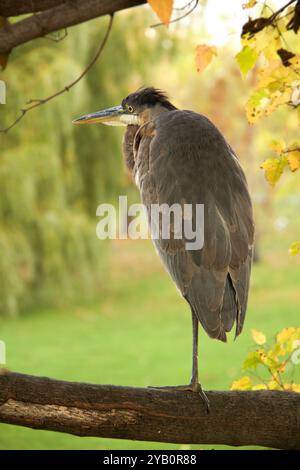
column 15, row 7
column 60, row 16
column 265, row 418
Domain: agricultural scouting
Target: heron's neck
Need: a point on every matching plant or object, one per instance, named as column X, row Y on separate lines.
column 148, row 114
column 128, row 140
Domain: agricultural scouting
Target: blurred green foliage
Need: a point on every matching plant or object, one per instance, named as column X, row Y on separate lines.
column 53, row 175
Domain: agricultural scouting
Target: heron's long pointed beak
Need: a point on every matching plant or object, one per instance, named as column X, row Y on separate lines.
column 116, row 116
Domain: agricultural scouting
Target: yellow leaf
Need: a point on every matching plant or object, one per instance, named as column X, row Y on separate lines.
column 163, row 9
column 267, row 73
column 292, row 387
column 278, row 146
column 244, row 383
column 260, row 387
column 204, row 56
column 277, row 98
column 295, row 145
column 295, row 61
column 258, row 337
column 294, row 341
column 285, row 334
column 278, row 350
column 273, row 169
column 294, row 159
column 281, row 367
column 274, row 385
column 271, row 361
column 255, row 104
column 294, row 249
column 266, row 41
column 249, row 4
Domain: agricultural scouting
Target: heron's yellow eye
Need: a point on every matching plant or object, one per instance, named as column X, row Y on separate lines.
column 130, row 109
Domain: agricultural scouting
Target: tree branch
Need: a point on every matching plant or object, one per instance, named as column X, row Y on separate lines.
column 258, row 24
column 265, row 418
column 60, row 17
column 15, row 7
column 34, row 103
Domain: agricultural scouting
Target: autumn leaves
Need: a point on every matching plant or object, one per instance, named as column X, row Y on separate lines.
column 277, row 360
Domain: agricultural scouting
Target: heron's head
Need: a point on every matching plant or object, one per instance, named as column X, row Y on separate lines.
column 136, row 109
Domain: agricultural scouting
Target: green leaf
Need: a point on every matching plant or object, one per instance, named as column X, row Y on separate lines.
column 252, row 360
column 246, row 59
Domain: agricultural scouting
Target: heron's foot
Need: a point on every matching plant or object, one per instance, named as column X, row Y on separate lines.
column 194, row 387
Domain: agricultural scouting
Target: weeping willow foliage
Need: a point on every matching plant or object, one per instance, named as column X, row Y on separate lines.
column 53, row 175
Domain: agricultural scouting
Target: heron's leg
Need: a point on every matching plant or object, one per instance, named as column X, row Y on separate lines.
column 194, row 385
column 195, row 325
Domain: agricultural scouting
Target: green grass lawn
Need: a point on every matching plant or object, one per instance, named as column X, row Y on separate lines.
column 139, row 334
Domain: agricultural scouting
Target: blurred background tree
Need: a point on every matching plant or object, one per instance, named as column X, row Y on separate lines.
column 52, row 176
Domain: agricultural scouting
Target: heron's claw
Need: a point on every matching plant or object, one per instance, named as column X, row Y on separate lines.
column 196, row 388
column 192, row 387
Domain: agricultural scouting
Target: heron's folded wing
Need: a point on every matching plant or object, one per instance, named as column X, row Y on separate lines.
column 182, row 158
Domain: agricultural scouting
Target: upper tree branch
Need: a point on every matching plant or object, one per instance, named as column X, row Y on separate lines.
column 265, row 418
column 60, row 17
column 258, row 24
column 35, row 103
column 15, row 7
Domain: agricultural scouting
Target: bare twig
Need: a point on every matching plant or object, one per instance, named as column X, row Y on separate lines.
column 184, row 7
column 282, row 8
column 34, row 103
column 295, row 149
column 180, row 17
column 255, row 26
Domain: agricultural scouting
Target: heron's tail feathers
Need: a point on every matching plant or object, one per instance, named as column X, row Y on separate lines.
column 218, row 322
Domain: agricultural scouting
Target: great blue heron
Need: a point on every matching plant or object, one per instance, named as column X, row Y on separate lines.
column 179, row 156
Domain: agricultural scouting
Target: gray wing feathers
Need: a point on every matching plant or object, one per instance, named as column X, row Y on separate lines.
column 185, row 159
